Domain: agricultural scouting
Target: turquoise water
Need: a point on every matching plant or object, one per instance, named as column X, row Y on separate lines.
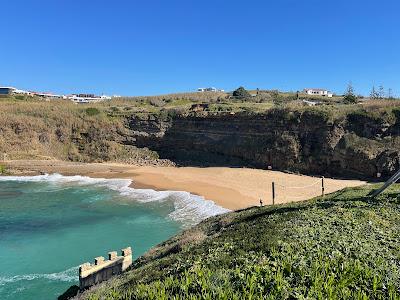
column 51, row 224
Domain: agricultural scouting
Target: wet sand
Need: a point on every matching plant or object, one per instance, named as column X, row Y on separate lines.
column 232, row 188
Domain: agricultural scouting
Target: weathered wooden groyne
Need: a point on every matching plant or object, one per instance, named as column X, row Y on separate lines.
column 101, row 270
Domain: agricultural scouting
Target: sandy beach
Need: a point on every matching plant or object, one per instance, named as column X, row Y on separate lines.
column 232, row 188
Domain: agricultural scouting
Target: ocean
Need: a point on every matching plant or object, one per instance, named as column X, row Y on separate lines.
column 50, row 224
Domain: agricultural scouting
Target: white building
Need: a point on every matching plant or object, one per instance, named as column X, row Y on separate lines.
column 318, row 92
column 47, row 95
column 87, row 98
column 13, row 90
column 22, row 92
column 77, row 98
column 6, row 90
column 209, row 89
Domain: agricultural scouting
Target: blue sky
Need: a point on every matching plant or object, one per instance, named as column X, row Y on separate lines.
column 154, row 46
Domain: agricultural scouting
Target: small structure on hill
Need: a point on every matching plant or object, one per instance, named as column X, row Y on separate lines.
column 102, row 270
column 87, row 98
column 47, row 95
column 318, row 92
column 209, row 89
column 5, row 90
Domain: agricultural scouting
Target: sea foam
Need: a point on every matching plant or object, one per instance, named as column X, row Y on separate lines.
column 69, row 275
column 189, row 209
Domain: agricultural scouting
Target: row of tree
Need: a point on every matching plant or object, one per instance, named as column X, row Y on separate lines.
column 380, row 93
column 350, row 96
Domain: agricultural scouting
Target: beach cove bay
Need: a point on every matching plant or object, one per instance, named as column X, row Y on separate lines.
column 50, row 224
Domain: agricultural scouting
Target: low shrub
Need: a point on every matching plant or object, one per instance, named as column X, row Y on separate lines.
column 92, row 111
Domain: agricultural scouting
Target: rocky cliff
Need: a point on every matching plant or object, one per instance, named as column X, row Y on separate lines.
column 337, row 140
column 313, row 141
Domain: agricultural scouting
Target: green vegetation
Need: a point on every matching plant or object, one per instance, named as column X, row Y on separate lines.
column 92, row 111
column 38, row 129
column 350, row 97
column 2, row 170
column 241, row 93
column 343, row 246
column 35, row 129
column 236, row 107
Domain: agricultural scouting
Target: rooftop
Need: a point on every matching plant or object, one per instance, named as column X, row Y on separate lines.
column 319, row 90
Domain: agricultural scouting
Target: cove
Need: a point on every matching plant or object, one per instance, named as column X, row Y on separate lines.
column 50, row 224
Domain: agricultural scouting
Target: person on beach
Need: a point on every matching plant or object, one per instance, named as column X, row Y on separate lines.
column 261, row 202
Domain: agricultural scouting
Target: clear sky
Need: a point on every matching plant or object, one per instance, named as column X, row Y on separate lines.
column 159, row 46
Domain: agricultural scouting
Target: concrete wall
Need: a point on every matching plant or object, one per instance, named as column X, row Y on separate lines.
column 103, row 269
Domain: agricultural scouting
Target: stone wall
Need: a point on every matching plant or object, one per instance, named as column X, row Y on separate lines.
column 101, row 270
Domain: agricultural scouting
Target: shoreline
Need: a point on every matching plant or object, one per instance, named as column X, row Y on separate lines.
column 231, row 188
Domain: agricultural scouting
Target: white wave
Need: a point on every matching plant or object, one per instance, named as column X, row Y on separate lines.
column 77, row 179
column 189, row 209
column 69, row 275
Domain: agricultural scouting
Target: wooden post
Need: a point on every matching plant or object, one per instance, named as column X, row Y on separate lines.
column 323, row 186
column 273, row 193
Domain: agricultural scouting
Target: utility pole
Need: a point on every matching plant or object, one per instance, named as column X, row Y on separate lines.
column 388, row 183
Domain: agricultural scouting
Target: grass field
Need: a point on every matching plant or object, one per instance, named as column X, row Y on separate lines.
column 343, row 246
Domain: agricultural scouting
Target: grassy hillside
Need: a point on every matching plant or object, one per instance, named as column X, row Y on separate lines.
column 343, row 246
column 31, row 128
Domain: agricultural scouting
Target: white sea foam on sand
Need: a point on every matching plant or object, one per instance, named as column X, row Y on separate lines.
column 189, row 209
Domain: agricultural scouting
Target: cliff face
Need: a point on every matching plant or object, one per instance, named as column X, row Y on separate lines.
column 335, row 140
column 309, row 141
column 62, row 130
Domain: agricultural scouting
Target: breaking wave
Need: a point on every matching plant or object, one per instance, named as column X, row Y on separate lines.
column 69, row 275
column 189, row 209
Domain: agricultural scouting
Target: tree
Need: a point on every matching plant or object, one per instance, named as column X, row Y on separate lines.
column 349, row 96
column 241, row 93
column 390, row 94
column 374, row 94
column 381, row 92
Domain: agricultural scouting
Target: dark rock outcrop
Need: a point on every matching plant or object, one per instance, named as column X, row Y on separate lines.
column 310, row 141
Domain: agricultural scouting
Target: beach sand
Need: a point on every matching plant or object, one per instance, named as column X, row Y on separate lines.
column 232, row 188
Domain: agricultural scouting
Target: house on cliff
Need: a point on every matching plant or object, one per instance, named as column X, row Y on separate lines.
column 4, row 90
column 318, row 92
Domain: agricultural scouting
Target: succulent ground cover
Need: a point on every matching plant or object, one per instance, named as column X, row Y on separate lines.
column 343, row 246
